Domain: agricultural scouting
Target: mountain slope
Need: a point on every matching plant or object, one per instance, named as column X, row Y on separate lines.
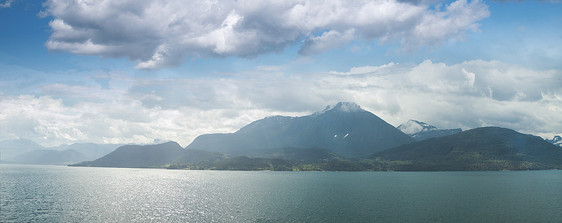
column 139, row 156
column 43, row 156
column 93, row 151
column 28, row 152
column 421, row 130
column 488, row 148
column 158, row 155
column 344, row 128
column 296, row 154
column 12, row 148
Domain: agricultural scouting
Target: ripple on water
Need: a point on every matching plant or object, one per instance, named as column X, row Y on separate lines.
column 70, row 194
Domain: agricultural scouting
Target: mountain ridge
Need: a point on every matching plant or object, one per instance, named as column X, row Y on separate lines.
column 485, row 148
column 421, row 130
column 49, row 157
column 12, row 148
column 155, row 155
column 340, row 137
column 556, row 140
column 344, row 128
column 25, row 151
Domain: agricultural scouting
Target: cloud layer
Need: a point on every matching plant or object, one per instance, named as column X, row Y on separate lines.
column 158, row 34
column 128, row 109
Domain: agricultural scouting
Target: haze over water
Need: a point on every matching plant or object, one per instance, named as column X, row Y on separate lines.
column 66, row 194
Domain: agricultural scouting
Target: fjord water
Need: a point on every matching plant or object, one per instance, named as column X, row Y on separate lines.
column 83, row 194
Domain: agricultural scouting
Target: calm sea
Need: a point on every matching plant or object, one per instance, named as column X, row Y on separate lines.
column 81, row 194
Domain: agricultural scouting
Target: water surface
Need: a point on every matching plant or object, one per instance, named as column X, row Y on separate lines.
column 81, row 194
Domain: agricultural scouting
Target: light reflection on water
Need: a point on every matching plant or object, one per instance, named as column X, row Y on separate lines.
column 80, row 194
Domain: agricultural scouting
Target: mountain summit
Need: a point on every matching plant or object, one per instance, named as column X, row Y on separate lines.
column 413, row 126
column 343, row 128
column 557, row 141
column 421, row 130
column 342, row 107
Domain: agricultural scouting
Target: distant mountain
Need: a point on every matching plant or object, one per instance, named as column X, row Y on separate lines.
column 92, row 151
column 344, row 128
column 158, row 155
column 28, row 152
column 488, row 148
column 43, row 156
column 60, row 147
column 557, row 141
column 12, row 148
column 421, row 130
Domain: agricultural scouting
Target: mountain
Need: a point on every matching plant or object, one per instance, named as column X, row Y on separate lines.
column 488, row 148
column 12, row 148
column 92, row 151
column 28, row 152
column 307, row 155
column 421, row 130
column 43, row 156
column 344, row 128
column 158, row 155
column 557, row 141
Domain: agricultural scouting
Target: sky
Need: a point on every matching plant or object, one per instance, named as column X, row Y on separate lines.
column 109, row 71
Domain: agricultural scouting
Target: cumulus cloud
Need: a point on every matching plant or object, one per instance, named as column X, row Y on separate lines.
column 129, row 109
column 47, row 120
column 328, row 40
column 164, row 33
column 470, row 94
column 466, row 95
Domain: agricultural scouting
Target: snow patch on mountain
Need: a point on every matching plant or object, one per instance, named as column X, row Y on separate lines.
column 557, row 141
column 341, row 107
column 421, row 130
column 413, row 127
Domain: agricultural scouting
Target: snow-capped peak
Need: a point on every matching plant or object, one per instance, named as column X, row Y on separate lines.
column 557, row 140
column 342, row 107
column 413, row 127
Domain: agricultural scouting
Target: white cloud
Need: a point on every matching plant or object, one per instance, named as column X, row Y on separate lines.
column 164, row 33
column 452, row 23
column 6, row 4
column 129, row 109
column 328, row 40
column 48, row 121
column 366, row 69
column 460, row 95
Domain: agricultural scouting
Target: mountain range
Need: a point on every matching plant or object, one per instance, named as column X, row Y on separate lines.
column 421, row 130
column 341, row 137
column 11, row 148
column 172, row 155
column 158, row 155
column 44, row 156
column 486, row 148
column 25, row 151
column 344, row 128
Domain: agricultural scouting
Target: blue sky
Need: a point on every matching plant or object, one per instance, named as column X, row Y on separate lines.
column 139, row 72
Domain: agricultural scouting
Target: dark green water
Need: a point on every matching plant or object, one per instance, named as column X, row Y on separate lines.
column 76, row 194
